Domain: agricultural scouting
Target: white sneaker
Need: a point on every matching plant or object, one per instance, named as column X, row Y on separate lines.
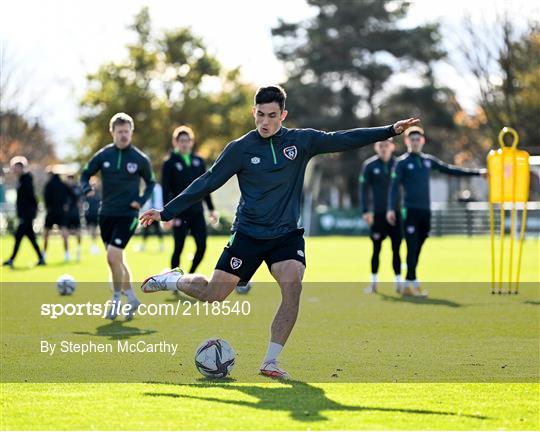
column 371, row 289
column 272, row 370
column 162, row 281
column 134, row 307
column 112, row 313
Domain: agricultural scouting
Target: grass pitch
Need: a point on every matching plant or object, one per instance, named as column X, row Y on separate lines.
column 340, row 332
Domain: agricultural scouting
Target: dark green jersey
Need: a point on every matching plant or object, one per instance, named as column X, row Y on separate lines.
column 270, row 174
column 121, row 173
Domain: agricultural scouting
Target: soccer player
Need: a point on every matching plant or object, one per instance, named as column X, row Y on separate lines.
column 73, row 214
column 375, row 184
column 178, row 172
column 55, row 194
column 122, row 166
column 412, row 171
column 26, row 205
column 270, row 164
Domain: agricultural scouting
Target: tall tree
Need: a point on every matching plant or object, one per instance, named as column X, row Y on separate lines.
column 339, row 65
column 342, row 58
column 163, row 82
column 506, row 65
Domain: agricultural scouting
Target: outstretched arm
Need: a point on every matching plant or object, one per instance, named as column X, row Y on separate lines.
column 453, row 169
column 329, row 142
column 227, row 164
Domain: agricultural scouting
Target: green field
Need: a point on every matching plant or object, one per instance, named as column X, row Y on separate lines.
column 462, row 359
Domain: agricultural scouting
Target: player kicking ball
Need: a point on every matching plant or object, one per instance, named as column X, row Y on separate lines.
column 411, row 172
column 269, row 163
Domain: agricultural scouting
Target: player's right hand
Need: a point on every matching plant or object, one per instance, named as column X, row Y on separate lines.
column 90, row 193
column 391, row 217
column 368, row 218
column 150, row 216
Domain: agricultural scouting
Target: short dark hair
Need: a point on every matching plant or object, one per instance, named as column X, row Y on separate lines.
column 270, row 94
column 119, row 119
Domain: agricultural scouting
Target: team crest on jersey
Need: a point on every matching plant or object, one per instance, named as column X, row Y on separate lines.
column 255, row 160
column 178, row 166
column 427, row 163
column 376, row 236
column 376, row 171
column 410, row 166
column 410, row 229
column 106, row 164
column 195, row 162
column 132, row 167
column 290, row 152
column 235, row 263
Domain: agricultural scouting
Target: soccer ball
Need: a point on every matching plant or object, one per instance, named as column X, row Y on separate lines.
column 215, row 358
column 65, row 284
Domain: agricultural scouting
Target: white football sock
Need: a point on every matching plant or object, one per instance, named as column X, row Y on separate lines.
column 117, row 296
column 130, row 294
column 374, row 278
column 416, row 284
column 398, row 279
column 274, row 349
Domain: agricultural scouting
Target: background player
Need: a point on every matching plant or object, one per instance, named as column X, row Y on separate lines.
column 26, row 205
column 178, row 171
column 375, row 185
column 122, row 166
column 55, row 195
column 412, row 171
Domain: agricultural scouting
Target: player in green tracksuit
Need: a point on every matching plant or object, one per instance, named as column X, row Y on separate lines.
column 269, row 163
column 122, row 166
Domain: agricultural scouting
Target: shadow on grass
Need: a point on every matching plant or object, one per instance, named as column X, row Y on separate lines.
column 301, row 400
column 420, row 300
column 117, row 330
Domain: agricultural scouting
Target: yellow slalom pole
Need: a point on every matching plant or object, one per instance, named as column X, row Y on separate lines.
column 492, row 234
column 521, row 237
column 512, row 220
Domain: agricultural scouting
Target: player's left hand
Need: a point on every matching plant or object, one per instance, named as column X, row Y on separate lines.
column 483, row 172
column 214, row 217
column 150, row 216
column 135, row 205
column 402, row 125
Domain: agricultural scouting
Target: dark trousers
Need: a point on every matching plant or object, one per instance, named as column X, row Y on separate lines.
column 195, row 224
column 379, row 231
column 25, row 228
column 416, row 226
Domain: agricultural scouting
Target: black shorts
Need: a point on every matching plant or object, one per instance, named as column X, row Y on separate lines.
column 117, row 230
column 416, row 221
column 244, row 254
column 380, row 229
column 54, row 218
column 73, row 221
